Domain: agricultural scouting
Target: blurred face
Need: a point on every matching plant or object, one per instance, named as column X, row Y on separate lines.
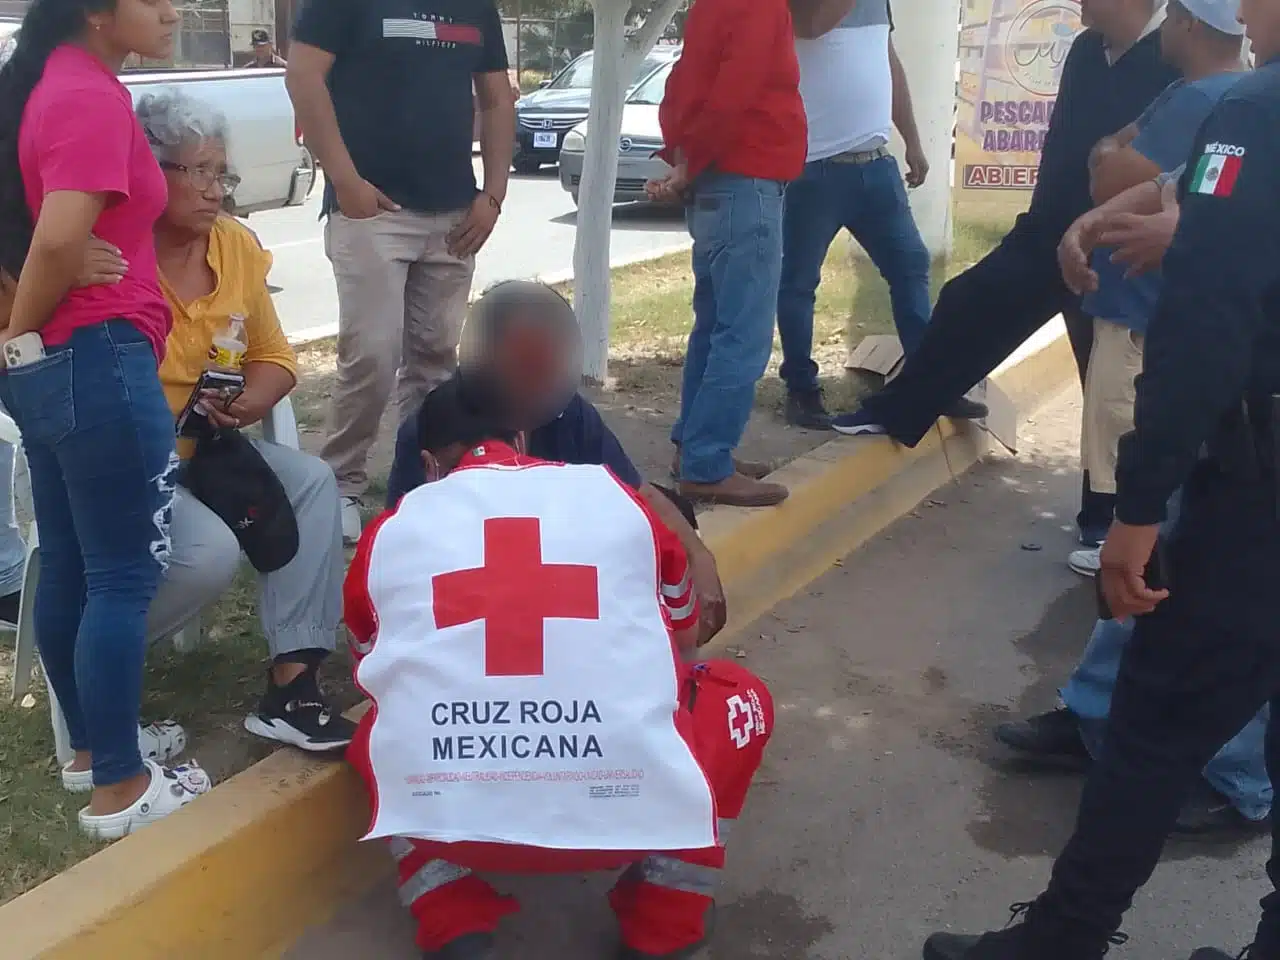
column 144, row 27
column 1261, row 20
column 199, row 184
column 538, row 365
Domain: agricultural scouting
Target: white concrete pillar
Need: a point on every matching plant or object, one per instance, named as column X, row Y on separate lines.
column 926, row 36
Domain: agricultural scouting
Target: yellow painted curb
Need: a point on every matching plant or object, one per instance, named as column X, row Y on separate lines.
column 244, row 871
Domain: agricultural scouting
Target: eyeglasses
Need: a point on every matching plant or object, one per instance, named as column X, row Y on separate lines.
column 203, row 178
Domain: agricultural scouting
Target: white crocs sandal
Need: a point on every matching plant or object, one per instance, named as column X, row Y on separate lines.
column 160, row 742
column 169, row 791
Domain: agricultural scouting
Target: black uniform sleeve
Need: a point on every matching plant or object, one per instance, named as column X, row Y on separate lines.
column 493, row 56
column 1199, row 346
column 326, row 24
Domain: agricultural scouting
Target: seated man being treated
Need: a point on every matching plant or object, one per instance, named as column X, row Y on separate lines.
column 521, row 626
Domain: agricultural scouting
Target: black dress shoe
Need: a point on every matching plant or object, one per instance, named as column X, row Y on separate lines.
column 807, row 411
column 1052, row 739
column 469, row 946
column 1209, row 817
column 684, row 953
column 966, row 409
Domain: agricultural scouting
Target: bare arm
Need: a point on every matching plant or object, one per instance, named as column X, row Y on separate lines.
column 813, row 18
column 497, row 130
column 1121, row 138
column 56, row 259
column 305, row 79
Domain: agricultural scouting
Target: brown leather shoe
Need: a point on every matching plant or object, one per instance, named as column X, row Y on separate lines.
column 755, row 469
column 736, row 490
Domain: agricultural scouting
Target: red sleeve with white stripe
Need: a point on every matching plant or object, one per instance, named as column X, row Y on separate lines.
column 677, row 583
column 673, row 566
column 357, row 606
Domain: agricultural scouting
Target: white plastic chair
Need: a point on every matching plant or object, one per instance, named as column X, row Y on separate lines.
column 281, row 426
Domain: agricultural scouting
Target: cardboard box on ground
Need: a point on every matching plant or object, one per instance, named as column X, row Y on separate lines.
column 882, row 354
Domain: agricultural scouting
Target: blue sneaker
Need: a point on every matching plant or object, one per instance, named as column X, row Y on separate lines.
column 858, row 424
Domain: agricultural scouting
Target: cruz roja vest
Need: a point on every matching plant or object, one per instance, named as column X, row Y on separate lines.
column 522, row 672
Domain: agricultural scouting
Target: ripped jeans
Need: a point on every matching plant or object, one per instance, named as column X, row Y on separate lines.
column 99, row 440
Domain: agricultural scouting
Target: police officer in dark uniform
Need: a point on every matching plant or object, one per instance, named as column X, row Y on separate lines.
column 1205, row 655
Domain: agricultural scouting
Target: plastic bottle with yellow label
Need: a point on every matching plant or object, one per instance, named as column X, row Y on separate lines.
column 226, row 353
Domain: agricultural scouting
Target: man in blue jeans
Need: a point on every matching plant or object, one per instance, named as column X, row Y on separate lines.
column 1236, row 795
column 855, row 92
column 734, row 125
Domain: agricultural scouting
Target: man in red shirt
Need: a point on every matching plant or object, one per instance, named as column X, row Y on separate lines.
column 517, row 624
column 734, row 126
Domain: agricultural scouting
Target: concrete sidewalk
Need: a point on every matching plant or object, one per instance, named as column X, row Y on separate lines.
column 883, row 811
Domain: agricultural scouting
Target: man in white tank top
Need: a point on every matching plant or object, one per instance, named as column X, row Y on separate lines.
column 855, row 92
column 519, row 626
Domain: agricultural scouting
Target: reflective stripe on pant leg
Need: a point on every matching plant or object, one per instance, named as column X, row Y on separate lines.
column 431, row 876
column 446, row 900
column 673, row 873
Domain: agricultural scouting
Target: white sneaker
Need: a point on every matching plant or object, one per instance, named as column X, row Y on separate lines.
column 160, row 742
column 352, row 522
column 1086, row 562
column 168, row 792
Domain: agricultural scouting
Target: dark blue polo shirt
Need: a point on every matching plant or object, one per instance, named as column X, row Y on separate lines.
column 578, row 435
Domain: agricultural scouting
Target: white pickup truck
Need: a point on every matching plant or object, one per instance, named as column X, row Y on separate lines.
column 276, row 170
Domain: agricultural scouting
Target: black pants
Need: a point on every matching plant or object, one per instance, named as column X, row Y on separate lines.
column 981, row 317
column 1195, row 672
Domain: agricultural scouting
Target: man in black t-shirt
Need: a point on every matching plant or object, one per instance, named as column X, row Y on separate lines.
column 383, row 92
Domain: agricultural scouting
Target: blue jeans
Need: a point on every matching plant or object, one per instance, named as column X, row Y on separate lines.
column 870, row 201
column 736, row 225
column 99, row 440
column 1238, row 771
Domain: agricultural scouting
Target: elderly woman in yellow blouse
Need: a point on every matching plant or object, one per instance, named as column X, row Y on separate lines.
column 211, row 268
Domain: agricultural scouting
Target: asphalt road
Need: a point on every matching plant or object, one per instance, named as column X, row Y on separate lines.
column 534, row 238
column 883, row 811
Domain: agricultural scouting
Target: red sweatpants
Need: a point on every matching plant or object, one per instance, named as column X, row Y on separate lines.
column 661, row 899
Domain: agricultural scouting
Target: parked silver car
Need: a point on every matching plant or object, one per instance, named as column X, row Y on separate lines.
column 638, row 144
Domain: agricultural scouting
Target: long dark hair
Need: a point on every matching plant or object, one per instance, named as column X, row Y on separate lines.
column 47, row 25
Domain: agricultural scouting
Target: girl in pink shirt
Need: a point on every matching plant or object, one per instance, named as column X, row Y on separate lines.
column 80, row 380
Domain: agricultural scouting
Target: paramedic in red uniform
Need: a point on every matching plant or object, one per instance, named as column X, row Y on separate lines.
column 719, row 714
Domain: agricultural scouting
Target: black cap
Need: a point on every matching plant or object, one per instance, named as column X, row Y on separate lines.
column 260, row 37
column 230, row 477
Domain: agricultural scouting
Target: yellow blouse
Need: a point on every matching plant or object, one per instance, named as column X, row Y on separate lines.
column 240, row 268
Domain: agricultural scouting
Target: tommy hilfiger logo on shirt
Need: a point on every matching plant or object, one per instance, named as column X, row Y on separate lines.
column 431, row 30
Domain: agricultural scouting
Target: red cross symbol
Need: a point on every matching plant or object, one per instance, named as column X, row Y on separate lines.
column 514, row 593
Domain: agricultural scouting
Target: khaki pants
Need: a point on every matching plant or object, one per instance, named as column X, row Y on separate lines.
column 1114, row 364
column 402, row 298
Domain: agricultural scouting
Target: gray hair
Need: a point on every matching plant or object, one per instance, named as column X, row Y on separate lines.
column 173, row 119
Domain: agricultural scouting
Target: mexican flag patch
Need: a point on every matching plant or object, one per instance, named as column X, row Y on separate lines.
column 1217, row 170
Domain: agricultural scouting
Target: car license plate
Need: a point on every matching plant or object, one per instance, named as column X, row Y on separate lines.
column 545, row 139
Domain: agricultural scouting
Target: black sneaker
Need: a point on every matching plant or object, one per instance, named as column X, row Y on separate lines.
column 1209, row 817
column 298, row 715
column 1015, row 942
column 806, row 410
column 469, row 946
column 684, row 953
column 966, row 409
column 1052, row 739
column 10, row 603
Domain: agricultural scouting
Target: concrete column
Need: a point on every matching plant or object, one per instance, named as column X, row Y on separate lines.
column 926, row 35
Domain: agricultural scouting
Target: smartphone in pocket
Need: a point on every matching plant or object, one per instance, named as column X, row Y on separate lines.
column 23, row 350
column 1155, row 576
